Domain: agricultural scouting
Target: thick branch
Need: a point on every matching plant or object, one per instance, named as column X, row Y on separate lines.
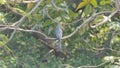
column 41, row 37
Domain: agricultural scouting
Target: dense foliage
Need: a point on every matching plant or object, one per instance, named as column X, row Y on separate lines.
column 91, row 33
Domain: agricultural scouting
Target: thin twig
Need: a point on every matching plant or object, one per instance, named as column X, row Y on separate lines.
column 53, row 4
column 100, row 65
column 8, row 7
column 105, row 19
column 22, row 1
column 32, row 1
column 48, row 15
column 13, row 33
column 18, row 23
column 85, row 23
column 33, row 31
column 117, row 5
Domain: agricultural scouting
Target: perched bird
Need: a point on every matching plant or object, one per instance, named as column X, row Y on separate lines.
column 58, row 32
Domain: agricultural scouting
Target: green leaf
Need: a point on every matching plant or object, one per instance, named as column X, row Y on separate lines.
column 108, row 2
column 2, row 17
column 65, row 16
column 48, row 22
column 3, row 38
column 102, row 3
column 88, row 9
column 94, row 3
column 58, row 19
column 1, row 43
column 87, row 1
column 2, row 1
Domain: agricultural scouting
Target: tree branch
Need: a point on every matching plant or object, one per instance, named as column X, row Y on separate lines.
column 46, row 37
column 22, row 1
column 48, row 15
column 117, row 5
column 42, row 38
column 100, row 65
column 105, row 19
column 18, row 23
column 85, row 23
column 53, row 4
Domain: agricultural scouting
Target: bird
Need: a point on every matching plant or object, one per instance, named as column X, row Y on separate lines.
column 59, row 32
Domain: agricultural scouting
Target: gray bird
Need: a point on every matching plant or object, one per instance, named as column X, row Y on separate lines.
column 58, row 32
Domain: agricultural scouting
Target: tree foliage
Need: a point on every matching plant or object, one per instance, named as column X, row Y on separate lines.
column 91, row 33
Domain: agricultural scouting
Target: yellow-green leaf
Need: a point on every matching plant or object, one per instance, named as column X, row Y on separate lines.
column 102, row 2
column 1, row 16
column 87, row 1
column 94, row 3
column 29, row 6
column 82, row 4
column 2, row 1
column 108, row 2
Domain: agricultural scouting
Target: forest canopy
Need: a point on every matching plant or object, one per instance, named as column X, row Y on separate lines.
column 59, row 33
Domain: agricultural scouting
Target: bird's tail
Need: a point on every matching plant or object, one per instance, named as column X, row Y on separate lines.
column 59, row 45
